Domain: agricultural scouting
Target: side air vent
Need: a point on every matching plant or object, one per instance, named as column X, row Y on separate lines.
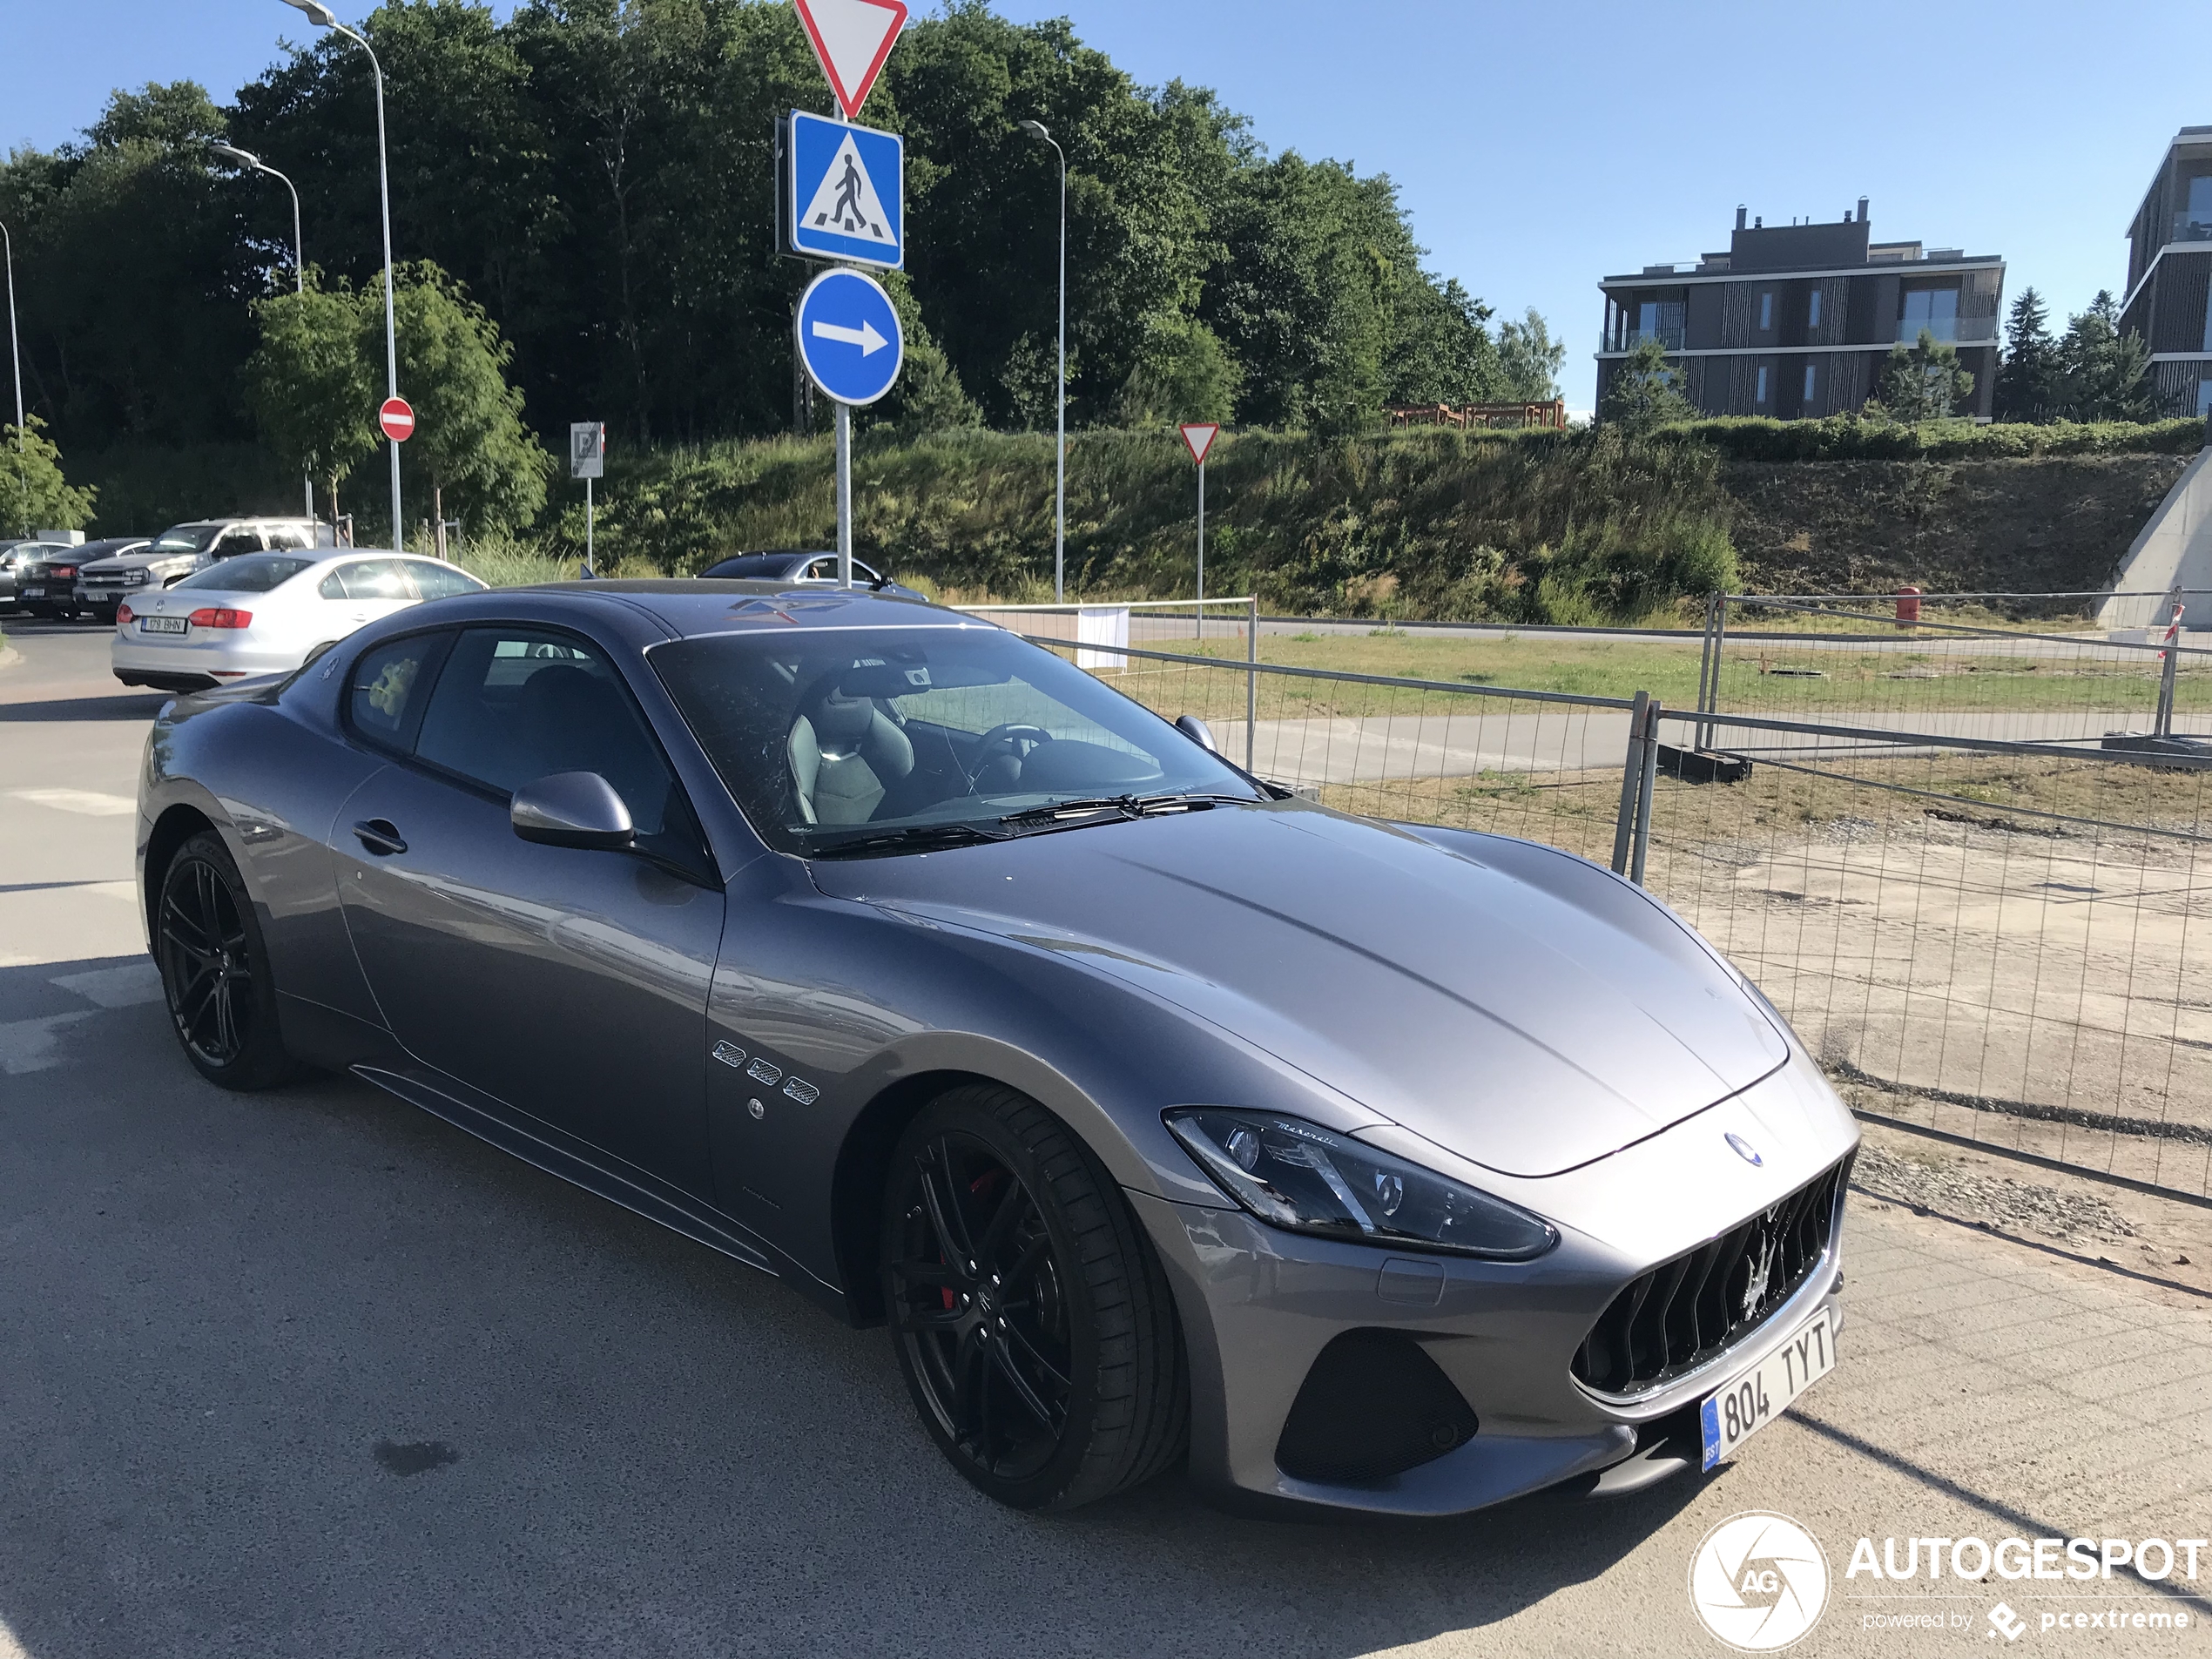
column 1683, row 1313
column 1374, row 1404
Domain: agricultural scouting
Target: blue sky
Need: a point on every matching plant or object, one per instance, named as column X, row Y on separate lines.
column 1537, row 146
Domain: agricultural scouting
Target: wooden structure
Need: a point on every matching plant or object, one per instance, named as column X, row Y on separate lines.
column 1476, row 416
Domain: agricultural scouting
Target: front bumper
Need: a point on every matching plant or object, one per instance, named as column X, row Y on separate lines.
column 1259, row 1305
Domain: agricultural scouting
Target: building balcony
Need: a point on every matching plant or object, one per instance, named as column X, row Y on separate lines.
column 1947, row 331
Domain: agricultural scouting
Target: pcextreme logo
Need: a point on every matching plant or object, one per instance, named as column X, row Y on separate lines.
column 1758, row 1581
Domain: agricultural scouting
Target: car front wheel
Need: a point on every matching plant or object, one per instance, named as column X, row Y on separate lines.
column 1030, row 1314
column 215, row 970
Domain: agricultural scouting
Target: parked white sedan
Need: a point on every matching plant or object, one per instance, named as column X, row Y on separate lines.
column 265, row 613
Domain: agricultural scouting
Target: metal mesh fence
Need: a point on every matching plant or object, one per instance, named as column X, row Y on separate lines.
column 2006, row 946
column 1999, row 666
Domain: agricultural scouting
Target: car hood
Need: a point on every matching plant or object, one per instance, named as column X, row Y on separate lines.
column 138, row 561
column 1517, row 1006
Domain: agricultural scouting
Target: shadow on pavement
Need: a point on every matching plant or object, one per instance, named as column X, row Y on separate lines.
column 311, row 1371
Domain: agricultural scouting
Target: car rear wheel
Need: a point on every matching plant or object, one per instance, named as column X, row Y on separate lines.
column 1030, row 1314
column 215, row 970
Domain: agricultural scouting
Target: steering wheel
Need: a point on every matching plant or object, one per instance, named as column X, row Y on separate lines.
column 1014, row 739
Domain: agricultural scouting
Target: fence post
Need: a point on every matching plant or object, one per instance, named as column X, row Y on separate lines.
column 1709, row 690
column 1252, row 681
column 1650, row 782
column 1631, row 786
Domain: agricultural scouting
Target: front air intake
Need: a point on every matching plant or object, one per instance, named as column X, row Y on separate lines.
column 1373, row 1404
column 1674, row 1318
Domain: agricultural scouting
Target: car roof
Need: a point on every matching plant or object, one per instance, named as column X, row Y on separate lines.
column 694, row 606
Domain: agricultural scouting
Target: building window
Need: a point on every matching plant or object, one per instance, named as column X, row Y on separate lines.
column 1812, row 380
column 1659, row 319
column 1812, row 309
column 1933, row 309
column 1760, row 398
column 1766, row 310
column 2194, row 222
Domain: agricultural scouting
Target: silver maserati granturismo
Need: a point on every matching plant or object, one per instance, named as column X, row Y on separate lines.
column 1162, row 1118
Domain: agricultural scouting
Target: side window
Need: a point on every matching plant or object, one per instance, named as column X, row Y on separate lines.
column 385, row 697
column 436, row 582
column 822, row 570
column 366, row 579
column 286, row 536
column 515, row 704
column 236, row 540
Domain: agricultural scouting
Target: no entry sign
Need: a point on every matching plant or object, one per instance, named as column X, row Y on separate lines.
column 396, row 419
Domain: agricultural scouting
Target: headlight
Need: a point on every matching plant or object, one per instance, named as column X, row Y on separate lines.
column 1299, row 1176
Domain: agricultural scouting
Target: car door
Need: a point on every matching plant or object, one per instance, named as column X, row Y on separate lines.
column 569, row 985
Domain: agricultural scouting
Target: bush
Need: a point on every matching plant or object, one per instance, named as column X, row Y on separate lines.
column 1846, row 437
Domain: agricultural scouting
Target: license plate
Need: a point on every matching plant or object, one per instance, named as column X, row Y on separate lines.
column 1755, row 1398
column 32, row 593
column 161, row 625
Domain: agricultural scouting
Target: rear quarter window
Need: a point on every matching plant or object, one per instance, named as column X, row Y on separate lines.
column 389, row 684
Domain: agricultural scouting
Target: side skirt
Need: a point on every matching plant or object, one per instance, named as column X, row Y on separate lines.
column 676, row 1211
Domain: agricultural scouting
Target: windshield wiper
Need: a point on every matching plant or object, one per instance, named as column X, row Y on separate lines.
column 912, row 837
column 1108, row 809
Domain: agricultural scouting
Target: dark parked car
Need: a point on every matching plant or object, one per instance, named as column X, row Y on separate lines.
column 808, row 569
column 46, row 577
column 1157, row 1113
column 16, row 554
column 96, row 606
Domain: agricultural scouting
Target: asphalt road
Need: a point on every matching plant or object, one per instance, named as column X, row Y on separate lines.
column 313, row 1373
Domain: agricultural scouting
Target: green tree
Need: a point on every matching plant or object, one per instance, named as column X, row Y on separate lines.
column 1440, row 350
column 312, row 384
column 2103, row 373
column 1923, row 381
column 1530, row 359
column 34, row 496
column 928, row 395
column 2027, row 381
column 1185, row 374
column 469, row 439
column 1645, row 391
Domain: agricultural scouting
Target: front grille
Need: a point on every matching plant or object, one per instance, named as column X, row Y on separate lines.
column 115, row 579
column 1374, row 1404
column 1682, row 1313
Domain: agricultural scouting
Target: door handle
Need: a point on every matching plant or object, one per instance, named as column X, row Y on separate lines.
column 381, row 836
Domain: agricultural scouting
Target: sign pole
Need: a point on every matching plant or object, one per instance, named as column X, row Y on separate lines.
column 1201, row 552
column 589, row 569
column 843, row 495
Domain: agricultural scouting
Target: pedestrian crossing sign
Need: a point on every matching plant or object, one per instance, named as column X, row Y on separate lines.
column 846, row 192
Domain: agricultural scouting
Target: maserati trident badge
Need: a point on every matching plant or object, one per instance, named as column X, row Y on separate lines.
column 1746, row 1151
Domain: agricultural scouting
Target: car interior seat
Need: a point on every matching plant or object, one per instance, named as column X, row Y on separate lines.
column 846, row 754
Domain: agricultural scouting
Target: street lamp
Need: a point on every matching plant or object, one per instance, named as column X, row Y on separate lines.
column 323, row 17
column 1036, row 130
column 248, row 159
column 15, row 356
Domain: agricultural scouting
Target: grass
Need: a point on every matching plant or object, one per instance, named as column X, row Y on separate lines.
column 1932, row 682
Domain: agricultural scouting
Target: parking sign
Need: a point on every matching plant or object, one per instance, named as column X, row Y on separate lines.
column 587, row 449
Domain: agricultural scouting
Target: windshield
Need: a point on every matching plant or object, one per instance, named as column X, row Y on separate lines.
column 749, row 567
column 249, row 573
column 187, row 538
column 838, row 738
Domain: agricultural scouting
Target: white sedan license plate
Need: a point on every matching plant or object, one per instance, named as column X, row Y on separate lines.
column 161, row 625
column 1755, row 1398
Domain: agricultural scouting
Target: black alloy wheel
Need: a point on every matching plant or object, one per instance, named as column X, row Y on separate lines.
column 214, row 970
column 1031, row 1319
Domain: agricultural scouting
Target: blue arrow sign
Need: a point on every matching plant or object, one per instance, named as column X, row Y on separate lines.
column 849, row 336
column 848, row 192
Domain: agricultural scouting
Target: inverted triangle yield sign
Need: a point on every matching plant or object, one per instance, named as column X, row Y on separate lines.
column 1200, row 434
column 852, row 38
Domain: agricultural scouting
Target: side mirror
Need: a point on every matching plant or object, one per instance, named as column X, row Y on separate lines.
column 1196, row 730
column 572, row 809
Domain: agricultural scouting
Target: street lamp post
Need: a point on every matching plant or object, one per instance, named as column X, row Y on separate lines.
column 248, row 159
column 15, row 357
column 1036, row 130
column 323, row 17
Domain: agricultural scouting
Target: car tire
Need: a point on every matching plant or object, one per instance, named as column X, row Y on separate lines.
column 1030, row 1314
column 215, row 976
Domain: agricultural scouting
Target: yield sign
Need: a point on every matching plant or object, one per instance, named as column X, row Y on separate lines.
column 853, row 38
column 1200, row 434
column 396, row 418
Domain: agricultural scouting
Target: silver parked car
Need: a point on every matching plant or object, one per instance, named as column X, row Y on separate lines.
column 181, row 549
column 1158, row 1114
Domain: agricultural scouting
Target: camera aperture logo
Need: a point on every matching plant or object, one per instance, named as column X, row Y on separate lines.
column 1758, row 1581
